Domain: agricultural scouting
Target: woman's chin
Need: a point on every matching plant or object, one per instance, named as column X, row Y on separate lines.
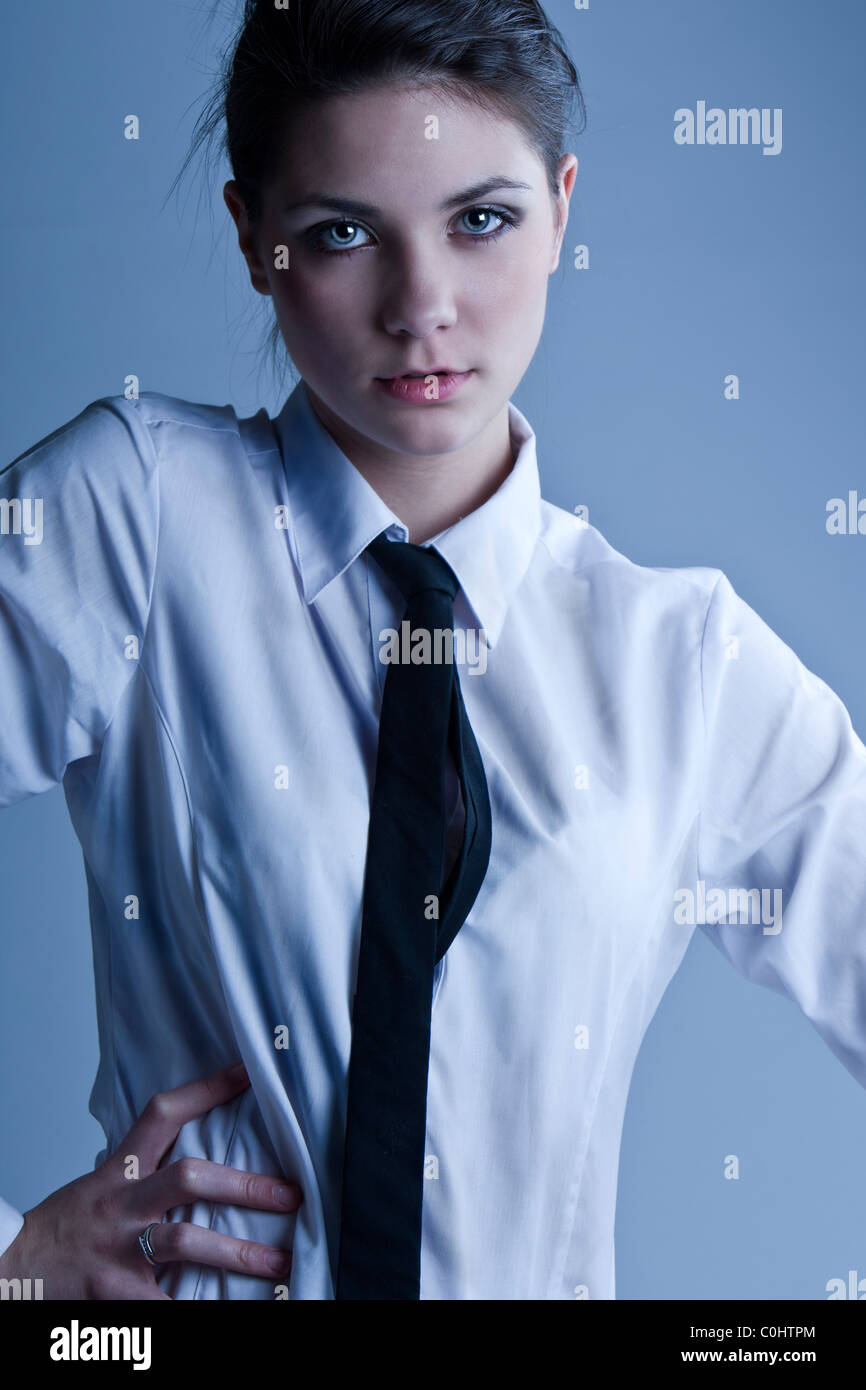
column 429, row 435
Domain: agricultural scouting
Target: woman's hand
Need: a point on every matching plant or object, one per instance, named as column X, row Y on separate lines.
column 82, row 1241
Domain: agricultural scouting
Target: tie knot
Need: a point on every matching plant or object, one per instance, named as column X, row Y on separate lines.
column 415, row 569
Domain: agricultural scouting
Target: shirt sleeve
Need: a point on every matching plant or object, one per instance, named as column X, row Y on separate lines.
column 782, row 826
column 78, row 538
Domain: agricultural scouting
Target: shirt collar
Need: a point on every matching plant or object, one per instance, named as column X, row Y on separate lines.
column 335, row 513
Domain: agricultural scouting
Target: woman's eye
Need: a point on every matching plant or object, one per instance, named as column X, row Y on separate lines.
column 337, row 236
column 482, row 223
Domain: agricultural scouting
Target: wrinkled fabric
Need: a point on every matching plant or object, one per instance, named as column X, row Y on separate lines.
column 192, row 647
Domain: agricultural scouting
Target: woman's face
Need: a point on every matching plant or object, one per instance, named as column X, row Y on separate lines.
column 408, row 254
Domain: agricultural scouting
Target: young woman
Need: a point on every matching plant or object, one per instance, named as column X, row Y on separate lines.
column 393, row 780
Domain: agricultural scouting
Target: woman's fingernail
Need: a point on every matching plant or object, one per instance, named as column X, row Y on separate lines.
column 286, row 1195
column 236, row 1071
column 279, row 1261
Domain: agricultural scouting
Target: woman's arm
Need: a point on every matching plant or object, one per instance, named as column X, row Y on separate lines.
column 784, row 811
column 79, row 520
column 79, row 527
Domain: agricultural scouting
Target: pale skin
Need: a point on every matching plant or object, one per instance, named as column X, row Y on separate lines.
column 82, row 1240
column 417, row 286
column 417, row 291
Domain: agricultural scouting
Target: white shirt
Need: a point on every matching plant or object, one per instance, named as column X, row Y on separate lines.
column 193, row 646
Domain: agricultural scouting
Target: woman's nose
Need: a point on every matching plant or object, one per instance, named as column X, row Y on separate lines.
column 418, row 297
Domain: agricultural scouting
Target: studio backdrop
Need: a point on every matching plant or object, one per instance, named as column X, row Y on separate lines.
column 697, row 396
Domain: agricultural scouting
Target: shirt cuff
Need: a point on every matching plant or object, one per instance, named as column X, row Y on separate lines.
column 11, row 1221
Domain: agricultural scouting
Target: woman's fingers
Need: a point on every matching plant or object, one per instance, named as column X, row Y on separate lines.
column 189, row 1180
column 181, row 1240
column 199, row 1180
column 158, row 1125
column 126, row 1287
column 82, row 1239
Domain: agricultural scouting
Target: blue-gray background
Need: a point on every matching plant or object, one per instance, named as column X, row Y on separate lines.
column 705, row 260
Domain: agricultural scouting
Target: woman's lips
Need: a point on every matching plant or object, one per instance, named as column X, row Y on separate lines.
column 415, row 389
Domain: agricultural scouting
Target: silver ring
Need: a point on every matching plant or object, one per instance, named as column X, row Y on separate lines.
column 144, row 1242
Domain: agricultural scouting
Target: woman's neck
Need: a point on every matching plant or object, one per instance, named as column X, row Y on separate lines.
column 428, row 493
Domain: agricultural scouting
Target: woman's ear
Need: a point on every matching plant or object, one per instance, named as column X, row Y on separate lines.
column 566, row 174
column 246, row 237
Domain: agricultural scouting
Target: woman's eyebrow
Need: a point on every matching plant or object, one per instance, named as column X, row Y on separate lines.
column 358, row 209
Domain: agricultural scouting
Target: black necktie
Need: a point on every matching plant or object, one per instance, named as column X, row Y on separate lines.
column 402, row 938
